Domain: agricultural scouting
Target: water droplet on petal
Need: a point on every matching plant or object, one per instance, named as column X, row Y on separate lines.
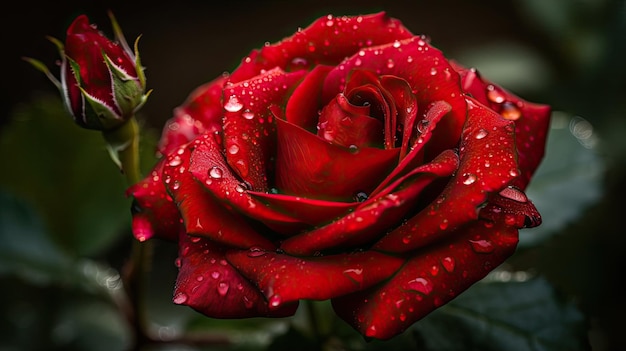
column 256, row 252
column 180, row 298
column 215, row 172
column 421, row 285
column 233, row 149
column 178, row 262
column 360, row 196
column 175, row 161
column 390, row 63
column 275, row 301
column 510, row 111
column 222, row 288
column 355, row 274
column 247, row 114
column 448, row 264
column 494, row 95
column 514, row 194
column 481, row 134
column 482, row 246
column 468, row 178
column 247, row 302
column 215, row 274
column 233, row 104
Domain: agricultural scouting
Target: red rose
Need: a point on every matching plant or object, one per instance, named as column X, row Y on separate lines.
column 102, row 81
column 351, row 161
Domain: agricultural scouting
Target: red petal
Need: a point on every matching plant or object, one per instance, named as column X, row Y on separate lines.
column 302, row 107
column 428, row 280
column 155, row 214
column 248, row 123
column 283, row 278
column 310, row 211
column 415, row 156
column 487, row 165
column 209, row 167
column 201, row 113
column 307, row 166
column 513, row 206
column 328, row 40
column 374, row 216
column 201, row 212
column 209, row 284
column 344, row 124
column 531, row 120
column 428, row 73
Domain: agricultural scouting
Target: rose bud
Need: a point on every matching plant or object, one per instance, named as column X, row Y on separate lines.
column 351, row 161
column 102, row 81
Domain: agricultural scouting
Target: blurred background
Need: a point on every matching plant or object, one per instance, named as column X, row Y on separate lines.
column 63, row 203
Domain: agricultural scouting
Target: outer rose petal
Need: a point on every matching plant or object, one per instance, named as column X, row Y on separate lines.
column 201, row 113
column 428, row 280
column 249, row 129
column 375, row 215
column 327, row 41
column 202, row 213
column 209, row 284
column 283, row 278
column 531, row 120
column 156, row 213
column 487, row 165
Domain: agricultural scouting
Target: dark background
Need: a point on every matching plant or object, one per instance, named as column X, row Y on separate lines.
column 568, row 54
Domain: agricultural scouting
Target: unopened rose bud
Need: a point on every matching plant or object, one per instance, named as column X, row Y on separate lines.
column 101, row 80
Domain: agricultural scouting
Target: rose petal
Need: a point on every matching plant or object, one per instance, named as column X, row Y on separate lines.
column 208, row 166
column 427, row 72
column 201, row 113
column 307, row 166
column 375, row 215
column 513, row 206
column 328, row 40
column 318, row 278
column 531, row 120
column 207, row 283
column 428, row 280
column 342, row 123
column 248, row 123
column 202, row 214
column 302, row 107
column 487, row 164
column 415, row 156
column 154, row 213
column 310, row 211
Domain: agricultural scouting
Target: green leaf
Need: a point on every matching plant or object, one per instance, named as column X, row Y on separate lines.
column 26, row 251
column 513, row 316
column 569, row 179
column 65, row 172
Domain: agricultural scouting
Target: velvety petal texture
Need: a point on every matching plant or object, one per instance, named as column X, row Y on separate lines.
column 351, row 161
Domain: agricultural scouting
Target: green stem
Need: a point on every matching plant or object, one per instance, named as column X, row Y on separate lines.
column 123, row 144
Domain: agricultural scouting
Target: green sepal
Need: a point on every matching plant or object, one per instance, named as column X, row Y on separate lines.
column 127, row 90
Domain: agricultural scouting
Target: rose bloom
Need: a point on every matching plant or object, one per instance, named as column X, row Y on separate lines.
column 351, row 161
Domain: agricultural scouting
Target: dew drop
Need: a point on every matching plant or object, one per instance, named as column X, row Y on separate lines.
column 354, row 274
column 390, row 63
column 247, row 302
column 180, row 298
column 406, row 239
column 421, row 285
column 510, row 111
column 443, row 225
column 433, row 71
column 175, row 161
column 275, row 301
column 434, row 270
column 514, row 194
column 256, row 252
column 247, row 114
column 215, row 274
column 233, row 104
column 468, row 178
column 448, row 264
column 360, row 196
column 215, row 172
column 494, row 95
column 482, row 246
column 233, row 149
column 200, row 278
column 222, row 288
column 178, row 262
column 481, row 134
